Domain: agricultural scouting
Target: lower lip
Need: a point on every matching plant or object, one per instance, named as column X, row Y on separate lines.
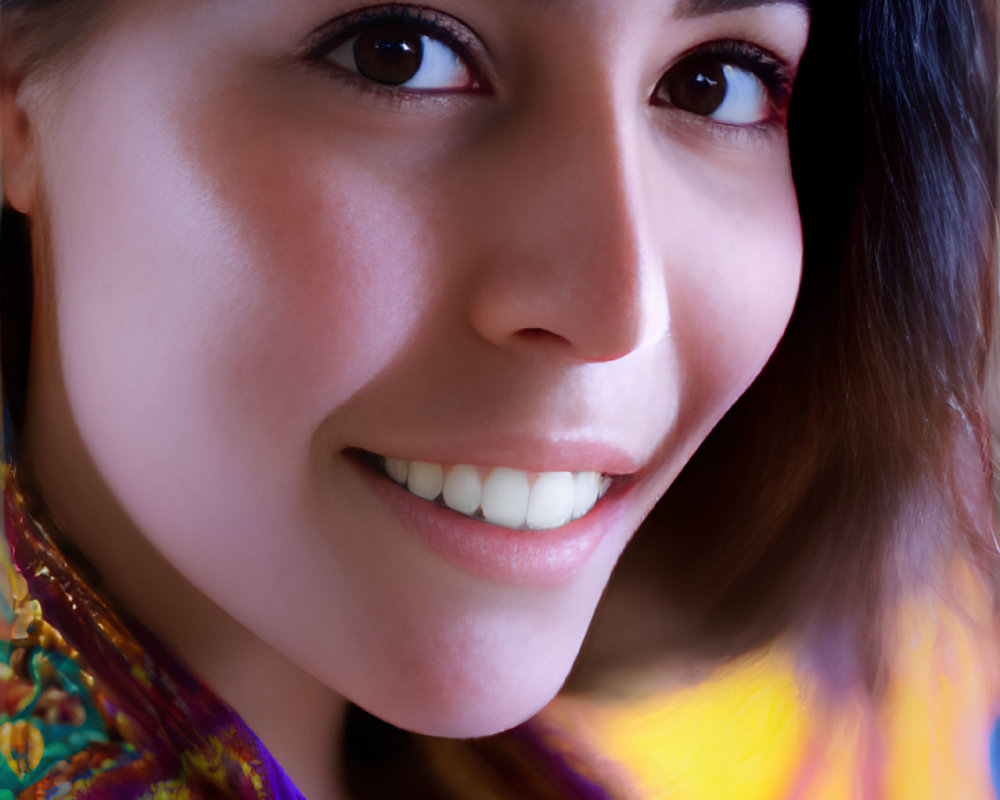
column 524, row 557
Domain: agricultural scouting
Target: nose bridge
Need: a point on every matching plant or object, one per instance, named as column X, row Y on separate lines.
column 578, row 260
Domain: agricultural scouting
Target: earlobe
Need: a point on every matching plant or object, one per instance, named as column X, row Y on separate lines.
column 17, row 151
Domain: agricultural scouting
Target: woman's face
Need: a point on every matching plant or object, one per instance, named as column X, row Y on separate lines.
column 289, row 240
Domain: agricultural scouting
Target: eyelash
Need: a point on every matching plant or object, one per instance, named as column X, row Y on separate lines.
column 771, row 70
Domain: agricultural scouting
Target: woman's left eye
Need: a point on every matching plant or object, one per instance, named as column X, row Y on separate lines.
column 398, row 54
column 731, row 84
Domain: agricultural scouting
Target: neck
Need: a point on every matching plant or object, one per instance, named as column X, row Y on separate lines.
column 297, row 718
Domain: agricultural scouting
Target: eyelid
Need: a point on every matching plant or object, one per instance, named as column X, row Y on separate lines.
column 443, row 27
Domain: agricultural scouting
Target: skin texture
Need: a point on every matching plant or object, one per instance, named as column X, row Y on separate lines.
column 247, row 264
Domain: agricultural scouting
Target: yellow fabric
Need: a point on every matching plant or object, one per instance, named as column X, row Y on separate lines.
column 759, row 729
column 739, row 734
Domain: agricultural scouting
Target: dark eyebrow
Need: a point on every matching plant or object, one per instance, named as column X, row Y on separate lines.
column 699, row 8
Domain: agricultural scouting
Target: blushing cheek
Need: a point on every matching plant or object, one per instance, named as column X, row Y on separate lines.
column 745, row 318
column 339, row 255
column 728, row 312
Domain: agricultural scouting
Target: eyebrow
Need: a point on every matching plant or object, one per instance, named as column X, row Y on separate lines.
column 700, row 8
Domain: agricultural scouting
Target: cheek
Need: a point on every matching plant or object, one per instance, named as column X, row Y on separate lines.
column 742, row 239
column 205, row 334
column 212, row 307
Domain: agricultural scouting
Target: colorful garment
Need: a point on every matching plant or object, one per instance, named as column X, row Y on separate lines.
column 93, row 707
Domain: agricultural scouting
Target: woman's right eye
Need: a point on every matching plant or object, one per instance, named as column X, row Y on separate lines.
column 402, row 52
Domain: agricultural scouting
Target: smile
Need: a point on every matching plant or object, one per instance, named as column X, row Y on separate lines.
column 509, row 498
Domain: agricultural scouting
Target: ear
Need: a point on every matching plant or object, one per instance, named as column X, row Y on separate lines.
column 18, row 157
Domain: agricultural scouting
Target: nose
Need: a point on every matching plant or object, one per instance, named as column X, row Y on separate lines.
column 571, row 263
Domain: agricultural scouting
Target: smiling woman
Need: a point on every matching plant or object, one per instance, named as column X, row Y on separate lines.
column 362, row 339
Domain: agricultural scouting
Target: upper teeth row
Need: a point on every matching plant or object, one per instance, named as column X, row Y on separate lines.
column 507, row 497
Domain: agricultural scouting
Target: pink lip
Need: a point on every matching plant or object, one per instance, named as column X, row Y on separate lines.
column 529, row 558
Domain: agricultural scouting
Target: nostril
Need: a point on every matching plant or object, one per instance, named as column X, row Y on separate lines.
column 540, row 335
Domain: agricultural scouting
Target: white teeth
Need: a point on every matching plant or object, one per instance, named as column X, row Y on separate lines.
column 463, row 491
column 425, row 480
column 552, row 499
column 505, row 497
column 510, row 498
column 397, row 469
column 588, row 490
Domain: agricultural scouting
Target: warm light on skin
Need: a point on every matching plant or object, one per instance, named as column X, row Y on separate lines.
column 256, row 264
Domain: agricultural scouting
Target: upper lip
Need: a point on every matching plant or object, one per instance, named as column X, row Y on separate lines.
column 570, row 454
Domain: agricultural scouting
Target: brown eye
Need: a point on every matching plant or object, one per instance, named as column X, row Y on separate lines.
column 697, row 84
column 397, row 53
column 389, row 54
column 709, row 85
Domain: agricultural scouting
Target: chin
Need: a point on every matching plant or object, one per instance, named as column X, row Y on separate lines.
column 466, row 688
column 447, row 654
column 462, row 714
